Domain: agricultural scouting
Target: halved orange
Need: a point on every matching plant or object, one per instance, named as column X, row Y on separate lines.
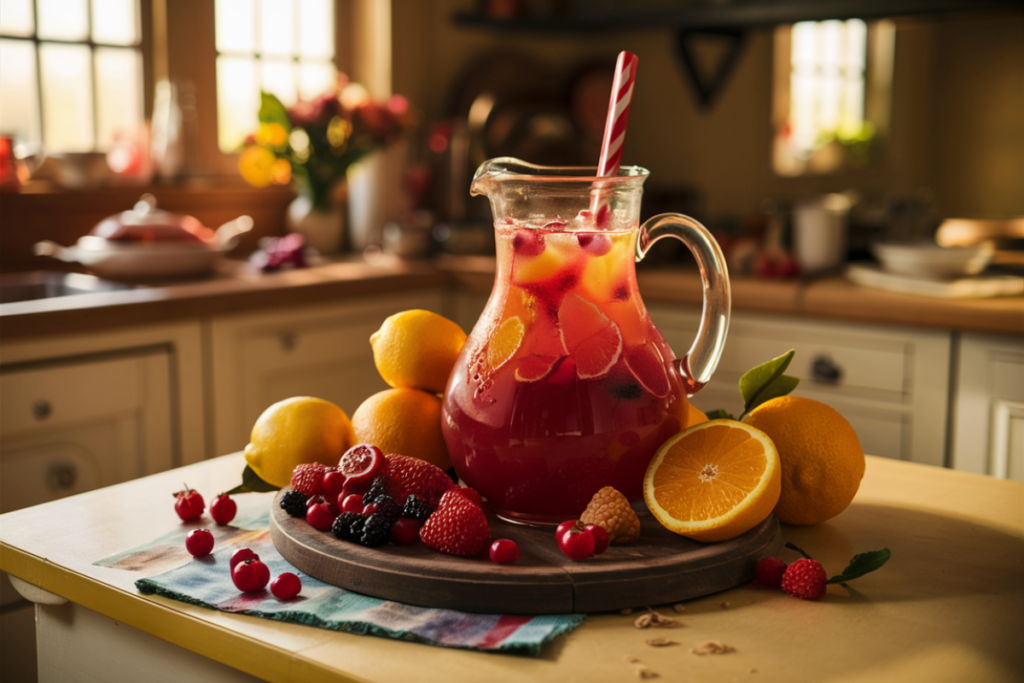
column 714, row 481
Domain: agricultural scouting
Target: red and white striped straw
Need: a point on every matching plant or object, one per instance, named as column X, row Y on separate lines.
column 618, row 115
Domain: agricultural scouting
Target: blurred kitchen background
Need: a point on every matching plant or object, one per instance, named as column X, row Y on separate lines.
column 861, row 164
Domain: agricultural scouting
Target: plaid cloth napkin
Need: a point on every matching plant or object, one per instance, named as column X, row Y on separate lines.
column 171, row 572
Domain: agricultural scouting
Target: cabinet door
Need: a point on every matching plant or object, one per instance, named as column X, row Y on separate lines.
column 891, row 384
column 988, row 423
column 321, row 351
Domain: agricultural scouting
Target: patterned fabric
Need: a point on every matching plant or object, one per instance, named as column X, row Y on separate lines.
column 171, row 572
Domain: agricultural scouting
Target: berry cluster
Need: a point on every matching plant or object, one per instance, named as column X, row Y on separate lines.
column 805, row 578
column 189, row 505
column 373, row 499
column 578, row 541
column 250, row 575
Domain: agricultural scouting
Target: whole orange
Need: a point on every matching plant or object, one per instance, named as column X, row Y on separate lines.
column 822, row 459
column 403, row 421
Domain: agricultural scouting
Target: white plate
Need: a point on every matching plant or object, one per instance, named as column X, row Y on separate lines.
column 929, row 260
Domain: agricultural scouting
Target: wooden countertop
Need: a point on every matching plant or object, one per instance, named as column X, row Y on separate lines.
column 949, row 605
column 238, row 288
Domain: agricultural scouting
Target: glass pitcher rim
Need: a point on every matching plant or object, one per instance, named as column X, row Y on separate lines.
column 511, row 167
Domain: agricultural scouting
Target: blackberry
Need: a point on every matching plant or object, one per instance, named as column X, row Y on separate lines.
column 377, row 488
column 387, row 507
column 343, row 523
column 376, row 530
column 416, row 508
column 294, row 503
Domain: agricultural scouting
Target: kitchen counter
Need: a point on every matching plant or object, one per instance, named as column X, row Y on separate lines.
column 238, row 288
column 949, row 605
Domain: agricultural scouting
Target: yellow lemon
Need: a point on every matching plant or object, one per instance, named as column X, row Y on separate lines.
column 417, row 349
column 822, row 459
column 713, row 481
column 403, row 421
column 294, row 431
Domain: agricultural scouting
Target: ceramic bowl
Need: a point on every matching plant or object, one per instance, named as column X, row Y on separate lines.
column 929, row 260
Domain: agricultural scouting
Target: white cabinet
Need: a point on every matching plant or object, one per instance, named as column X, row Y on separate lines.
column 319, row 350
column 988, row 416
column 890, row 383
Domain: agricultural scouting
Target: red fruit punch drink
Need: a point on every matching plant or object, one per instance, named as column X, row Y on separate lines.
column 564, row 385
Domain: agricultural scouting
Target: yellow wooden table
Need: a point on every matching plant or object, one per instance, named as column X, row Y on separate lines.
column 949, row 605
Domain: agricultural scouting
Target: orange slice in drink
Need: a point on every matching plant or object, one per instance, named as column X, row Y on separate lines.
column 505, row 342
column 714, row 481
column 589, row 336
column 535, row 367
column 648, row 366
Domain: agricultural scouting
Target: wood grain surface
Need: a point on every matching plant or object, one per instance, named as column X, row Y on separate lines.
column 660, row 568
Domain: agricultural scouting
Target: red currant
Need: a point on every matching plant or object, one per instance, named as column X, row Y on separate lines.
column 251, row 575
column 361, row 464
column 352, row 503
column 199, row 542
column 369, row 509
column 334, row 482
column 320, row 516
column 241, row 555
column 504, row 551
column 405, row 530
column 577, row 544
column 188, row 504
column 565, row 526
column 286, row 586
column 223, row 509
column 601, row 538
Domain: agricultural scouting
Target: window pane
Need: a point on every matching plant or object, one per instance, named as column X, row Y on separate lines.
column 316, row 28
column 238, row 102
column 235, row 26
column 277, row 27
column 316, row 79
column 67, row 97
column 63, row 19
column 278, row 77
column 115, row 22
column 19, row 105
column 118, row 94
column 16, row 17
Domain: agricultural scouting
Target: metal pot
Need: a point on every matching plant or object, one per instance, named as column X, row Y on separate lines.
column 147, row 243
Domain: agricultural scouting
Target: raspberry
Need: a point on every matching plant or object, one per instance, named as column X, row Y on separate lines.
column 309, row 478
column 407, row 475
column 611, row 511
column 294, row 503
column 342, row 526
column 457, row 527
column 769, row 572
column 805, row 579
column 416, row 508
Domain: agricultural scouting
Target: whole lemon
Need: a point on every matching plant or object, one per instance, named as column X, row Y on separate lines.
column 403, row 421
column 294, row 431
column 417, row 349
column 822, row 459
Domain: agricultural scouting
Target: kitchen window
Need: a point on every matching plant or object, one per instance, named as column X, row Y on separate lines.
column 832, row 95
column 71, row 72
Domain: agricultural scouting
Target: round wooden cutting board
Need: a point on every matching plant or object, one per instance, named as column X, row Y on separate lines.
column 660, row 568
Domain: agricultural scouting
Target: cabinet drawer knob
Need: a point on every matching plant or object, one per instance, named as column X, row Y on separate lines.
column 62, row 476
column 42, row 409
column 825, row 370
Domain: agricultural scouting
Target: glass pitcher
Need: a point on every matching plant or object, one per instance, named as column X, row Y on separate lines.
column 564, row 385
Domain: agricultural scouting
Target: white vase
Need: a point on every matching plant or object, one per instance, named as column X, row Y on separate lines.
column 323, row 230
column 375, row 194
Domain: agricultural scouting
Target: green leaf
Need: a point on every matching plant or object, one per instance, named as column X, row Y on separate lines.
column 251, row 483
column 272, row 111
column 766, row 381
column 861, row 564
column 720, row 414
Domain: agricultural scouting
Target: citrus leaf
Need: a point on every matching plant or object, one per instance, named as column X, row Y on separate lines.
column 766, row 381
column 272, row 111
column 720, row 414
column 251, row 483
column 861, row 564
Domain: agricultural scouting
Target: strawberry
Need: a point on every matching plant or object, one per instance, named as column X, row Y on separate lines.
column 308, row 478
column 407, row 475
column 457, row 527
column 469, row 494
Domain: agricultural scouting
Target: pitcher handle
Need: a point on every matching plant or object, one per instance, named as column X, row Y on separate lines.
column 699, row 363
